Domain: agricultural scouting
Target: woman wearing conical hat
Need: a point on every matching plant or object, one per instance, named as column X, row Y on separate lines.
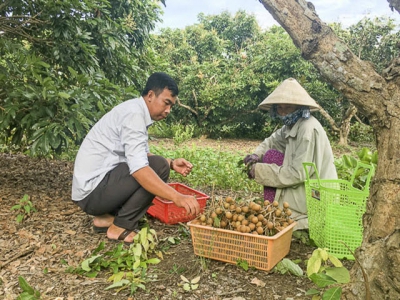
column 277, row 163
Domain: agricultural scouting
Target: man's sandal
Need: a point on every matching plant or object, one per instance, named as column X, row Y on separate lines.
column 125, row 233
column 98, row 229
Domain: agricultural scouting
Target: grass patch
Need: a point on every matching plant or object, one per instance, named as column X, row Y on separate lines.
column 212, row 167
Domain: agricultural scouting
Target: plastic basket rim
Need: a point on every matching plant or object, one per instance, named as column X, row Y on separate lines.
column 274, row 237
column 313, row 183
column 202, row 196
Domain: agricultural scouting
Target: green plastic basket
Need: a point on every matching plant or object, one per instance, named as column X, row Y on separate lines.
column 335, row 210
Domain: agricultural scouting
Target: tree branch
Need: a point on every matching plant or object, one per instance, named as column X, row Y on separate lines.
column 394, row 4
column 19, row 25
column 178, row 101
column 354, row 78
column 330, row 120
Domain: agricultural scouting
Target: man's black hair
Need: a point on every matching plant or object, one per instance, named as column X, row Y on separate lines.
column 159, row 81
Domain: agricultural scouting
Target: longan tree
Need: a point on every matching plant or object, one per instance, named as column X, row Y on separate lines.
column 64, row 63
column 377, row 96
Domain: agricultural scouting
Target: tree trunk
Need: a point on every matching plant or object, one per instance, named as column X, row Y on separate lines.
column 379, row 100
column 345, row 126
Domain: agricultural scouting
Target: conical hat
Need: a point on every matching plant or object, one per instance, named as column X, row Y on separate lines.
column 289, row 92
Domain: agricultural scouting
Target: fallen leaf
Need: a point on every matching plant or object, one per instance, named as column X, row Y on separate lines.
column 257, row 282
column 80, row 254
column 41, row 250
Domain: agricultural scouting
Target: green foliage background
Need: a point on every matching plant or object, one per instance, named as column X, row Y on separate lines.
column 63, row 64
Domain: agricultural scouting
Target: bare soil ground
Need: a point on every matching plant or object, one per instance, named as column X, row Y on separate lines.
column 59, row 232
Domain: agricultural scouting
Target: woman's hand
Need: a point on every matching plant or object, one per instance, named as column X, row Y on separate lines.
column 250, row 164
column 182, row 166
column 251, row 159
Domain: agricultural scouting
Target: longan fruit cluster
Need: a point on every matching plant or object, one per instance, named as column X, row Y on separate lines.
column 253, row 216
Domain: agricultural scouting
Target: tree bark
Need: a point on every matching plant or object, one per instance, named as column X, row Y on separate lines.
column 377, row 98
column 346, row 123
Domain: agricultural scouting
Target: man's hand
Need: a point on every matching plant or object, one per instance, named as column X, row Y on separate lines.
column 189, row 203
column 182, row 166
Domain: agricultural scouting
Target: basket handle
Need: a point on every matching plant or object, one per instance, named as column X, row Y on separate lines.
column 371, row 172
column 311, row 165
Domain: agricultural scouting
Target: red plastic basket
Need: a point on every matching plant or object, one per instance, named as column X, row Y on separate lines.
column 167, row 212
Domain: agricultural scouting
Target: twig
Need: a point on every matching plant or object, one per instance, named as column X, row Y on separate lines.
column 365, row 275
column 184, row 225
column 232, row 292
column 18, row 255
column 69, row 212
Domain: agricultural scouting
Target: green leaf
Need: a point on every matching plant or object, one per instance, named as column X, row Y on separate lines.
column 137, row 250
column 100, row 106
column 335, row 261
column 243, row 264
column 86, row 263
column 15, row 207
column 374, row 158
column 92, row 274
column 136, row 264
column 153, row 261
column 290, row 266
column 26, row 296
column 349, row 161
column 64, row 95
column 313, row 265
column 332, row 294
column 186, row 287
column 121, row 283
column 340, row 274
column 145, row 246
column 27, row 208
column 20, row 218
column 322, row 280
column 365, row 155
column 143, row 235
column 116, row 277
column 324, row 254
column 25, row 286
column 43, row 64
column 312, row 292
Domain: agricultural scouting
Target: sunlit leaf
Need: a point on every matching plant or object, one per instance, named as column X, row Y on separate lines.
column 121, row 283
column 153, row 261
column 313, row 265
column 335, row 261
column 195, row 280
